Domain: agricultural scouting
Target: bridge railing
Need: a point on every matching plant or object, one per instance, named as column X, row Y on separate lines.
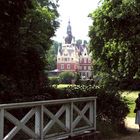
column 50, row 119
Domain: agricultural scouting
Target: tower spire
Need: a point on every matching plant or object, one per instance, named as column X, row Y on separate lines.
column 68, row 39
column 69, row 31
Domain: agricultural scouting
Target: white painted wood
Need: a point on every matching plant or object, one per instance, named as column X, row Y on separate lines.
column 49, row 102
column 54, row 119
column 1, row 123
column 91, row 113
column 71, row 120
column 81, row 115
column 95, row 114
column 39, row 109
column 55, row 136
column 39, row 122
column 83, row 129
column 20, row 125
column 68, row 116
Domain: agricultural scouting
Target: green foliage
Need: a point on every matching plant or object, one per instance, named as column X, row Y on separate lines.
column 130, row 97
column 77, row 78
column 106, row 129
column 111, row 108
column 25, row 34
column 47, row 93
column 54, row 80
column 115, row 40
column 62, row 86
column 51, row 56
column 66, row 77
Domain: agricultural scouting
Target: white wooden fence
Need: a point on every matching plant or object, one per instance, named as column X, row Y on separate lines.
column 53, row 119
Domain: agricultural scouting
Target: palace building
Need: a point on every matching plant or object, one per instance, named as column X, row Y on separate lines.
column 73, row 57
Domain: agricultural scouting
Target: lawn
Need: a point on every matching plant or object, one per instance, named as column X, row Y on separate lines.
column 63, row 85
column 131, row 97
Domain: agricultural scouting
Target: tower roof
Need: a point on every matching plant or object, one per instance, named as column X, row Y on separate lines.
column 68, row 39
column 69, row 30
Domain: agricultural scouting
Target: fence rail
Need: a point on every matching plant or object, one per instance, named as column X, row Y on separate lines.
column 48, row 119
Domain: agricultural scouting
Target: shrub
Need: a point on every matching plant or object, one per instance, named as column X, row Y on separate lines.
column 66, row 77
column 54, row 80
column 111, row 107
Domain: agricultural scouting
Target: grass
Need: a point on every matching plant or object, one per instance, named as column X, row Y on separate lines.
column 63, row 85
column 131, row 97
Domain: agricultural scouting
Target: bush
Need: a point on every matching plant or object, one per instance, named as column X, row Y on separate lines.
column 54, row 80
column 111, row 107
column 130, row 84
column 66, row 77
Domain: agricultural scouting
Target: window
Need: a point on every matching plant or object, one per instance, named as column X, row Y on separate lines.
column 85, row 68
column 80, row 60
column 62, row 66
column 87, row 74
column 85, row 60
column 68, row 66
column 89, row 68
column 65, row 54
column 83, row 75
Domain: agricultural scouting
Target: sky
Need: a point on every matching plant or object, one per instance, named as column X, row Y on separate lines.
column 77, row 12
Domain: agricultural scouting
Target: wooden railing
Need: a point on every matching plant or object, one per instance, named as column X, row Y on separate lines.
column 45, row 120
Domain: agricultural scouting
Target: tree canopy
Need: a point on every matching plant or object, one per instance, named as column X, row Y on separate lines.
column 26, row 30
column 115, row 35
column 51, row 56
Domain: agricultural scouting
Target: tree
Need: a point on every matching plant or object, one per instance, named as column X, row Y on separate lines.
column 115, row 35
column 66, row 77
column 51, row 56
column 41, row 25
column 11, row 15
column 25, row 35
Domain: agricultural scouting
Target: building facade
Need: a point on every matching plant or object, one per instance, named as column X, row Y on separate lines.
column 73, row 57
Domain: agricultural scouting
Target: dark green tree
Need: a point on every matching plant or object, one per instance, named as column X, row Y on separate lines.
column 115, row 44
column 51, row 56
column 25, row 33
column 67, row 77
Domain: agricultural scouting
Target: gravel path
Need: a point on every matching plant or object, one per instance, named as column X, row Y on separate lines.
column 130, row 123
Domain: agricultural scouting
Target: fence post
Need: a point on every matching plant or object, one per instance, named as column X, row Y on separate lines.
column 71, row 120
column 1, row 124
column 39, row 122
column 91, row 113
column 68, row 116
column 95, row 114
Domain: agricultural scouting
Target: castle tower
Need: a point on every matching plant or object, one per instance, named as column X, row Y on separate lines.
column 68, row 39
column 69, row 31
column 73, row 57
